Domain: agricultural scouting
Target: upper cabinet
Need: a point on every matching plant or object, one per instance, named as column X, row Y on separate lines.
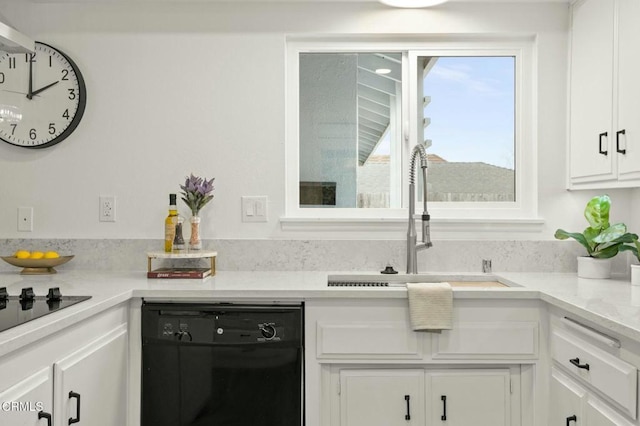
column 605, row 94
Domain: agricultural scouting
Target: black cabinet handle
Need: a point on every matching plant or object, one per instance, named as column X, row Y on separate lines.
column 576, row 362
column 77, row 419
column 600, row 150
column 408, row 415
column 443, row 398
column 43, row 415
column 618, row 133
column 572, row 419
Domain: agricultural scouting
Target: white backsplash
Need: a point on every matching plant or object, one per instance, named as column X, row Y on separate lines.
column 324, row 255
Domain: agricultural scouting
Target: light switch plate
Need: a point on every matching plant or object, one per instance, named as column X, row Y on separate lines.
column 254, row 208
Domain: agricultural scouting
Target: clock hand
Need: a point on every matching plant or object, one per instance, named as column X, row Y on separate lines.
column 15, row 91
column 35, row 92
column 30, row 91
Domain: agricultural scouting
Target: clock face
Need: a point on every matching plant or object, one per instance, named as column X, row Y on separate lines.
column 42, row 97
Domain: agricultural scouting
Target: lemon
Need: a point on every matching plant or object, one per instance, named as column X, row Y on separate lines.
column 51, row 255
column 22, row 254
column 36, row 255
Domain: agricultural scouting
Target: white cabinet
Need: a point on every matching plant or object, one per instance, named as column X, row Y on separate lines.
column 424, row 397
column 28, row 402
column 382, row 397
column 91, row 383
column 366, row 366
column 468, row 397
column 605, row 93
column 573, row 405
column 79, row 373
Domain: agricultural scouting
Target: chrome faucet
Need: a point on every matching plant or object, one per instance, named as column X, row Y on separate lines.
column 413, row 247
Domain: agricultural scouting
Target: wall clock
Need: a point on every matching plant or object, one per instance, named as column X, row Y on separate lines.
column 42, row 97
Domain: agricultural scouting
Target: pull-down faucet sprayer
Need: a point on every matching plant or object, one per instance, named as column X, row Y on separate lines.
column 412, row 239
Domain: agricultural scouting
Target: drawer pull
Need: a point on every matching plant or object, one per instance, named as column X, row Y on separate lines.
column 572, row 419
column 43, row 415
column 408, row 415
column 618, row 133
column 600, row 150
column 443, row 398
column 576, row 362
column 75, row 395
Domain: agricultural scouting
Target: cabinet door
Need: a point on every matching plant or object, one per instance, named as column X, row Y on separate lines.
column 628, row 89
column 381, row 397
column 592, row 91
column 468, row 397
column 565, row 404
column 91, row 384
column 23, row 403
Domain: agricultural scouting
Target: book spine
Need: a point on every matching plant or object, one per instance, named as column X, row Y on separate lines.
column 194, row 274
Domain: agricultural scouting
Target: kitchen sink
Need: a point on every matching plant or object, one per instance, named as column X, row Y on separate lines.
column 400, row 280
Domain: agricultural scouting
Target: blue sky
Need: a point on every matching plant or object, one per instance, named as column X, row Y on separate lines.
column 472, row 109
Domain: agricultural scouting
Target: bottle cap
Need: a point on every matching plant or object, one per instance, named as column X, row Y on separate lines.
column 172, row 199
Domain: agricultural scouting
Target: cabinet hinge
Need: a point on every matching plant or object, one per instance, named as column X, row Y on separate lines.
column 510, row 385
column 338, row 387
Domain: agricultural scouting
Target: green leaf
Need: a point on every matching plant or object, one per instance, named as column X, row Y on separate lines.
column 607, row 252
column 597, row 212
column 561, row 234
column 611, row 233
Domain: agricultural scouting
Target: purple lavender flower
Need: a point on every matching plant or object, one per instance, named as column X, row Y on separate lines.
column 196, row 193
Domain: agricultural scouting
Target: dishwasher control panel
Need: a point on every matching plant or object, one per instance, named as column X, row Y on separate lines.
column 223, row 324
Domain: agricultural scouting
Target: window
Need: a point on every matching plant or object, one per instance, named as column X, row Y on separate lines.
column 356, row 109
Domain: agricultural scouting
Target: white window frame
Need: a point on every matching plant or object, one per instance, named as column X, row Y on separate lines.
column 521, row 215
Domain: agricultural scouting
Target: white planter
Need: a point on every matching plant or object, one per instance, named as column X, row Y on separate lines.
column 635, row 274
column 590, row 267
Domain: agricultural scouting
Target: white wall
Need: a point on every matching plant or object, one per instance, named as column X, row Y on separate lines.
column 199, row 87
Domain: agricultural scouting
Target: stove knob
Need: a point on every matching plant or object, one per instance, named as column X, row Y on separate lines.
column 4, row 296
column 268, row 330
column 54, row 294
column 27, row 294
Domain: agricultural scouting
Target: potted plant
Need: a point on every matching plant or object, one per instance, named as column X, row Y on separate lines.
column 601, row 239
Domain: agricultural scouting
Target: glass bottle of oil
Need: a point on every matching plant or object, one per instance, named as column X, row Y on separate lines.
column 170, row 224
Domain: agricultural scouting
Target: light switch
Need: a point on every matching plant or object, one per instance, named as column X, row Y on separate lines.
column 254, row 209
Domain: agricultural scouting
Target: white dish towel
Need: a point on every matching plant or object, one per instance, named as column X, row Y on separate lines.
column 430, row 306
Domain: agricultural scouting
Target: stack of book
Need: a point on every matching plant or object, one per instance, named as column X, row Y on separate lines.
column 179, row 273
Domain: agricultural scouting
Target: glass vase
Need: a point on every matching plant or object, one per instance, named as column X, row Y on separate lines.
column 195, row 243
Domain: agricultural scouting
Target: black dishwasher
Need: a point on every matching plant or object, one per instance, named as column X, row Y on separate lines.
column 222, row 365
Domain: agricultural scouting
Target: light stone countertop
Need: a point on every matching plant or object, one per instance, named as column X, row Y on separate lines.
column 613, row 304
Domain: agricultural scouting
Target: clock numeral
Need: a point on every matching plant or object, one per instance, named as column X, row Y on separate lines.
column 65, row 74
column 50, row 61
column 1, row 77
column 13, row 128
column 52, row 128
column 32, row 134
column 12, row 62
column 72, row 93
column 30, row 57
column 65, row 114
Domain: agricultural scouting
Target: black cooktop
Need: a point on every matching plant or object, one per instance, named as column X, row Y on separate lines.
column 18, row 309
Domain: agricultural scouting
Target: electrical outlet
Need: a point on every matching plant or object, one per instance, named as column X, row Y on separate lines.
column 25, row 219
column 107, row 208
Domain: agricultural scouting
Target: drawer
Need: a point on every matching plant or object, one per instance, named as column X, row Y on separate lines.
column 367, row 339
column 607, row 373
column 488, row 340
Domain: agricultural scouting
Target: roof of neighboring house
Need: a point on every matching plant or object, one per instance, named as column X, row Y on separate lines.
column 444, row 177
